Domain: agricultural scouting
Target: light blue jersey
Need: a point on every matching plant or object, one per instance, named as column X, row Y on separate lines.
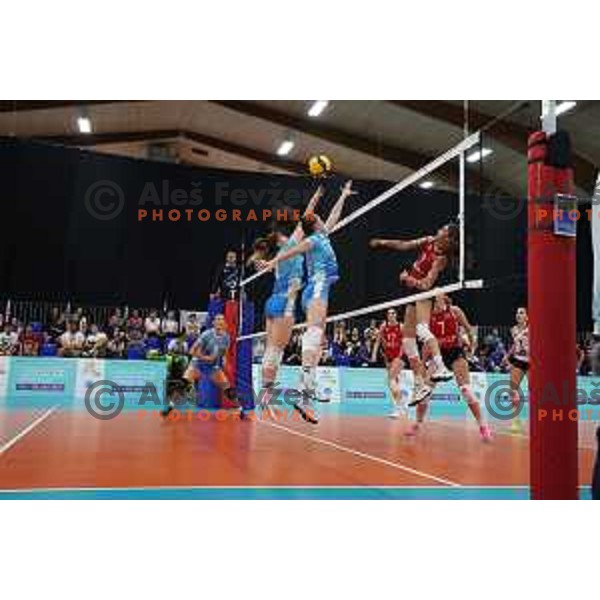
column 321, row 261
column 288, row 282
column 213, row 344
column 291, row 270
column 322, row 270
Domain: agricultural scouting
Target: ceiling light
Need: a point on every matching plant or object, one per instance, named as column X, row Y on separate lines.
column 84, row 125
column 285, row 148
column 317, row 108
column 479, row 154
column 426, row 185
column 564, row 106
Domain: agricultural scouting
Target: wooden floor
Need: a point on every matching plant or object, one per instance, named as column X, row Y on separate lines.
column 58, row 449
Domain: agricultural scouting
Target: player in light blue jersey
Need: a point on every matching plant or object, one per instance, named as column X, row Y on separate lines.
column 280, row 308
column 209, row 353
column 322, row 273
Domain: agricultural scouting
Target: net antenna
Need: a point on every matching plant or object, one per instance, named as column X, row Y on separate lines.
column 459, row 151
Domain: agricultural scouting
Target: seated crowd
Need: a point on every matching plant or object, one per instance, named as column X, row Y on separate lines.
column 124, row 334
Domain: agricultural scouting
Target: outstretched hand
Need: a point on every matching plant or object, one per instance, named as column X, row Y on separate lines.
column 347, row 189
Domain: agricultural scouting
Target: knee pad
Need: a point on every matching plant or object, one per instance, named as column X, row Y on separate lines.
column 311, row 340
column 272, row 357
column 424, row 334
column 410, row 347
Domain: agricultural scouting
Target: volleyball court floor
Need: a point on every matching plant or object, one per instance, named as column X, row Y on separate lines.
column 57, row 452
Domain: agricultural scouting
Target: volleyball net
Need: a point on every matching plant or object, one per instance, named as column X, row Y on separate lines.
column 417, row 206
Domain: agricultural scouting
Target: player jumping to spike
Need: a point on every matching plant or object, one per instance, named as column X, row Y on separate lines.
column 435, row 254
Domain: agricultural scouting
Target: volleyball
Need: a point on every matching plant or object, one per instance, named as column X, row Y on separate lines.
column 319, row 165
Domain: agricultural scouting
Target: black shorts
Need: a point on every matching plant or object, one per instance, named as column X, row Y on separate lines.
column 518, row 363
column 451, row 355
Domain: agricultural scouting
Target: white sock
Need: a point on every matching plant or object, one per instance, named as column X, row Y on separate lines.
column 308, row 381
column 439, row 363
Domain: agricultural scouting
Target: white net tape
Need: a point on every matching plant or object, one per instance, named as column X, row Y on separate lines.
column 382, row 306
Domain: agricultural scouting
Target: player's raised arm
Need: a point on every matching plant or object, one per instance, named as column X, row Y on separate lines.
column 338, row 207
column 309, row 212
column 399, row 245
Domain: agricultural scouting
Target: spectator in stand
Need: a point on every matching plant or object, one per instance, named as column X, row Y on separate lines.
column 339, row 345
column 71, row 342
column 492, row 340
column 365, row 356
column 17, row 326
column 192, row 327
column 135, row 321
column 496, row 359
column 227, row 278
column 116, row 320
column 136, row 348
column 79, row 317
column 371, row 331
column 30, row 342
column 353, row 347
column 152, row 323
column 170, row 325
column 9, row 340
column 117, row 345
column 96, row 343
column 327, row 358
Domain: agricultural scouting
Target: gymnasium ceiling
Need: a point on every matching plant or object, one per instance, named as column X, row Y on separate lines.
column 365, row 139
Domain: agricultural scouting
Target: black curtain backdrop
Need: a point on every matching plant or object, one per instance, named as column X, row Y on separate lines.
column 53, row 247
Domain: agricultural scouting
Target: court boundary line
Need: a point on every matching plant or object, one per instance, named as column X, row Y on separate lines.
column 28, row 429
column 360, row 454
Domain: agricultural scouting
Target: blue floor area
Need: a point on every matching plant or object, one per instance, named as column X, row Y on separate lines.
column 299, row 493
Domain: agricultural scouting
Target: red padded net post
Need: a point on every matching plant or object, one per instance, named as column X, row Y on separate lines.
column 552, row 330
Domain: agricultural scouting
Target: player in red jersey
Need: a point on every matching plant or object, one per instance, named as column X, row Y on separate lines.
column 389, row 338
column 447, row 322
column 435, row 254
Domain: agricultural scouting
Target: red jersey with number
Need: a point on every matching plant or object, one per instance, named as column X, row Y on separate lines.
column 391, row 340
column 445, row 327
column 422, row 266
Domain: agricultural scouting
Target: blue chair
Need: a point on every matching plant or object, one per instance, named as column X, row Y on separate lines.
column 136, row 353
column 49, row 349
